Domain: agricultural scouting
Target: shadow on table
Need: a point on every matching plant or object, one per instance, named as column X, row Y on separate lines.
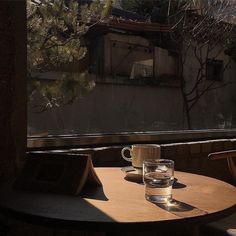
column 181, row 209
column 94, row 193
column 177, row 184
column 134, row 178
column 61, row 211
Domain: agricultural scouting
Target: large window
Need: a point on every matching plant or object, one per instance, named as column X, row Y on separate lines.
column 142, row 80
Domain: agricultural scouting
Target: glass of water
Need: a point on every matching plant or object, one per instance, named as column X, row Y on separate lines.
column 158, row 177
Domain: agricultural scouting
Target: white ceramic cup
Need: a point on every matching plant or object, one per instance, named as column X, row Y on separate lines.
column 141, row 152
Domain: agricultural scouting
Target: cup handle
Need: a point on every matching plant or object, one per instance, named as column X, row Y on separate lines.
column 123, row 153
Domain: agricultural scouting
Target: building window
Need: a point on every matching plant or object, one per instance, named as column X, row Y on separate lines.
column 214, row 70
column 122, row 56
column 130, row 58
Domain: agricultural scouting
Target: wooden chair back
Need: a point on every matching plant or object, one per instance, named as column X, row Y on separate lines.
column 229, row 155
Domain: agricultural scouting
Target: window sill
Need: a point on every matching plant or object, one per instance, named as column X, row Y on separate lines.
column 96, row 140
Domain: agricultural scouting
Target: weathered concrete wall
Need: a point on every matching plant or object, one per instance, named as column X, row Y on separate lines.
column 216, row 108
column 114, row 108
column 128, row 108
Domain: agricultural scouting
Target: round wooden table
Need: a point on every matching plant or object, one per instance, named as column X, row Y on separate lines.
column 121, row 205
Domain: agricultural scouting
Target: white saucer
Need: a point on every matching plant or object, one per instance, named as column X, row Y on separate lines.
column 133, row 170
column 133, row 174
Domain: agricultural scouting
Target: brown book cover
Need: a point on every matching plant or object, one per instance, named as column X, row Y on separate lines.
column 63, row 173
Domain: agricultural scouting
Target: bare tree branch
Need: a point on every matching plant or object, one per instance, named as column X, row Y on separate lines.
column 204, row 29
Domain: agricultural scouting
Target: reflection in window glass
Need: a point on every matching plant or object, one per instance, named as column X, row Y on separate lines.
column 147, row 71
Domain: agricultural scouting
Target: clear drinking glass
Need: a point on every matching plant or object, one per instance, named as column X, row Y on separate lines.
column 158, row 177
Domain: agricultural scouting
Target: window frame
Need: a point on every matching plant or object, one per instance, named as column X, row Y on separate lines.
column 91, row 140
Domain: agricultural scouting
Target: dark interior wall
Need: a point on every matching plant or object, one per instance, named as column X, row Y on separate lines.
column 12, row 84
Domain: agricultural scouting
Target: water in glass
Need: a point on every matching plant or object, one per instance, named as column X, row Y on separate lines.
column 158, row 187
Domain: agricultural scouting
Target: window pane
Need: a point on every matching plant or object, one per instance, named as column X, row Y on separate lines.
column 141, row 74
